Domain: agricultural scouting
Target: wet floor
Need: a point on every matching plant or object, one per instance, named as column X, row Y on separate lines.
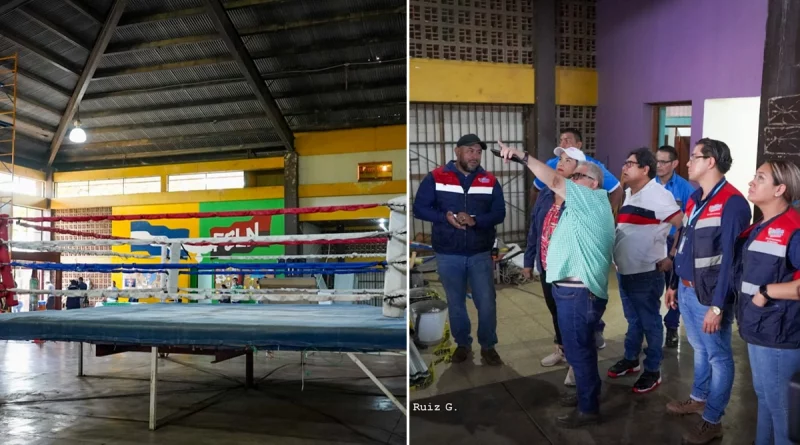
column 329, row 400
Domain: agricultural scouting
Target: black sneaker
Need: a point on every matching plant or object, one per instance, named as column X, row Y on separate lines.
column 491, row 357
column 647, row 382
column 460, row 354
column 672, row 338
column 577, row 419
column 624, row 367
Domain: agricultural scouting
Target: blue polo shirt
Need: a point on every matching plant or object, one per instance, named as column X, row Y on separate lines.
column 610, row 182
column 735, row 219
column 681, row 189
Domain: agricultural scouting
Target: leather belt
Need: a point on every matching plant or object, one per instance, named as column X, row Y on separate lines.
column 687, row 283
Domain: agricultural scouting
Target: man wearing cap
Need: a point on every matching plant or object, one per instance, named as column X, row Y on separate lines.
column 572, row 137
column 546, row 214
column 578, row 272
column 464, row 203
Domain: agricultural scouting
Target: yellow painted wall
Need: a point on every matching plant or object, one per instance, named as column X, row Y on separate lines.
column 343, row 168
column 358, row 140
column 123, row 229
column 169, row 198
column 456, row 81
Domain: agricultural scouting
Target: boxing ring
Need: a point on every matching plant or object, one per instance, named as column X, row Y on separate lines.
column 225, row 331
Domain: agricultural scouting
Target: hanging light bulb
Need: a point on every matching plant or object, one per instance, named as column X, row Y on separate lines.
column 77, row 135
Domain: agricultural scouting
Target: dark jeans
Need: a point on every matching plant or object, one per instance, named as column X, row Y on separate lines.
column 577, row 318
column 772, row 373
column 672, row 319
column 547, row 288
column 455, row 271
column 641, row 303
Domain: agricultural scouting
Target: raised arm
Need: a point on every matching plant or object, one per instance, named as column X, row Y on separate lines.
column 543, row 172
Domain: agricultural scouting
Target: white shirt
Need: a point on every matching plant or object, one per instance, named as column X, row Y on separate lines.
column 642, row 229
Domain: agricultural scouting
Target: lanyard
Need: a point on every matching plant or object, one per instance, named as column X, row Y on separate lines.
column 696, row 211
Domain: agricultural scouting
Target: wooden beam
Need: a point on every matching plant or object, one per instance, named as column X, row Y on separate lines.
column 288, row 73
column 359, row 86
column 167, row 152
column 235, row 45
column 54, row 59
column 105, row 35
column 146, row 17
column 85, row 10
column 122, row 48
column 54, row 28
column 169, row 140
column 11, row 5
column 176, row 123
column 36, row 130
column 116, row 72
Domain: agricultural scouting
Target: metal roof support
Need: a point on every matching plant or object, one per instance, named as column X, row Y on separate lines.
column 175, row 139
column 85, row 10
column 56, row 29
column 167, row 153
column 105, row 35
column 11, row 5
column 234, row 43
column 134, row 19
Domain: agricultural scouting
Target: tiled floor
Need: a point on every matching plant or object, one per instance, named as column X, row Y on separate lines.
column 517, row 402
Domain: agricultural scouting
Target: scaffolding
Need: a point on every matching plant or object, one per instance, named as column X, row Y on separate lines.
column 8, row 124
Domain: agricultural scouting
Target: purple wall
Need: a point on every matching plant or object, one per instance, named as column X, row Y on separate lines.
column 651, row 51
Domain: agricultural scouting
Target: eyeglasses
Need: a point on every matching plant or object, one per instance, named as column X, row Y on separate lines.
column 579, row 176
column 664, row 162
column 693, row 158
column 629, row 164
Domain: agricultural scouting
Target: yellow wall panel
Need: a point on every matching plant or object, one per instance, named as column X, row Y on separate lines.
column 343, row 168
column 244, row 194
column 453, row 81
column 359, row 140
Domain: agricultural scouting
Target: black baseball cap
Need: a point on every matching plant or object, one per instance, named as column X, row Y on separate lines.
column 470, row 139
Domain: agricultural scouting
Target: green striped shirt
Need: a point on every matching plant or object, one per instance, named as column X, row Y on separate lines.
column 583, row 242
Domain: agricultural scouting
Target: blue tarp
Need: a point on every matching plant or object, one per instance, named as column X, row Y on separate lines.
column 268, row 326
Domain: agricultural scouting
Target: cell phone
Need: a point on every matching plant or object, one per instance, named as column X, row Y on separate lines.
column 496, row 152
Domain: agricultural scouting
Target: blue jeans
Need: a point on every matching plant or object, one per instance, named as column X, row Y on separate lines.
column 455, row 271
column 713, row 355
column 672, row 319
column 577, row 319
column 641, row 304
column 772, row 371
column 600, row 307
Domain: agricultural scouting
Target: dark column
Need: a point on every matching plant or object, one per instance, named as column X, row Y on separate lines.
column 779, row 122
column 291, row 198
column 544, row 37
column 249, row 369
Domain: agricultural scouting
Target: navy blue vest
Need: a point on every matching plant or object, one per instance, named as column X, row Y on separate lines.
column 763, row 261
column 707, row 245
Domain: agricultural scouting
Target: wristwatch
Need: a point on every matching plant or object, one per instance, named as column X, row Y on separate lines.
column 763, row 291
column 716, row 310
column 525, row 159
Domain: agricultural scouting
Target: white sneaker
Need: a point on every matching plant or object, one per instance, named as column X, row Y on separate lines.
column 599, row 340
column 570, row 380
column 554, row 359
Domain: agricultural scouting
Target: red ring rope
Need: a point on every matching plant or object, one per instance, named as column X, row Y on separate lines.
column 292, row 211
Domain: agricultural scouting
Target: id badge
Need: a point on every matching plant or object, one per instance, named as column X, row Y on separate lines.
column 683, row 241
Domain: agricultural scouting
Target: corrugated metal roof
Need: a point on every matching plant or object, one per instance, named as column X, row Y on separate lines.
column 323, row 68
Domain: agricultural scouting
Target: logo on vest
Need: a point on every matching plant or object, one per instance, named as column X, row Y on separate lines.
column 775, row 232
column 715, row 208
column 483, row 180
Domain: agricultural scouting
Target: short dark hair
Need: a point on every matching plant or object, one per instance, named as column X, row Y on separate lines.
column 717, row 150
column 673, row 154
column 575, row 132
column 645, row 158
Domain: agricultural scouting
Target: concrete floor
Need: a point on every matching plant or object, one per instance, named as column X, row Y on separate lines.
column 42, row 401
column 518, row 402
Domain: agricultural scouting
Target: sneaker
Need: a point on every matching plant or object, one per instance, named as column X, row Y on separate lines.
column 557, row 357
column 491, row 357
column 599, row 340
column 672, row 338
column 703, row 432
column 460, row 354
column 647, row 382
column 624, row 367
column 570, row 380
column 688, row 406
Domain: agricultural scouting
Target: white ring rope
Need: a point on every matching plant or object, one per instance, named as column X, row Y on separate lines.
column 211, row 241
column 80, row 252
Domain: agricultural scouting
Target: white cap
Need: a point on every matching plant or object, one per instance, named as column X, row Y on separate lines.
column 572, row 152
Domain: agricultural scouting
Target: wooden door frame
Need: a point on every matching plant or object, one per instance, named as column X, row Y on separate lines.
column 654, row 107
